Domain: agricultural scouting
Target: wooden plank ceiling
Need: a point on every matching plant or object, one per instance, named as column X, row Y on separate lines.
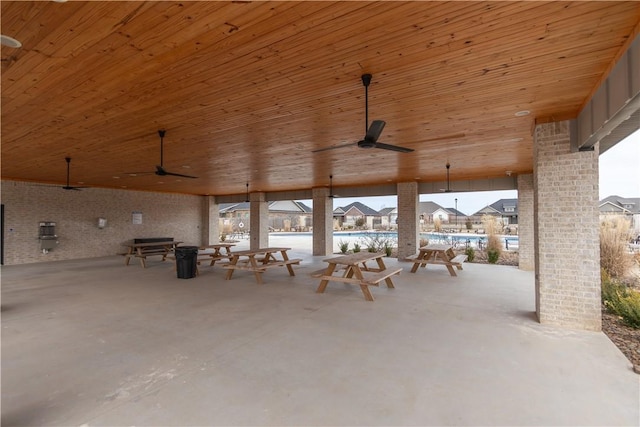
column 246, row 90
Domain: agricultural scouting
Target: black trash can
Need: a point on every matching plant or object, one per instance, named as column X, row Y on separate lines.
column 186, row 261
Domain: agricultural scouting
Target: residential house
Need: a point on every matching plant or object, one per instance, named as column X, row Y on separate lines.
column 356, row 215
column 624, row 206
column 285, row 215
column 431, row 211
column 456, row 217
column 506, row 210
column 388, row 218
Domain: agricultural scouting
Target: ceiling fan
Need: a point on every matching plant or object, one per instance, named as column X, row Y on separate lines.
column 160, row 170
column 372, row 133
column 68, row 186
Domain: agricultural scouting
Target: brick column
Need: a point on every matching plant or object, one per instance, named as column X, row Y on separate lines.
column 526, row 248
column 408, row 231
column 258, row 221
column 210, row 221
column 322, row 222
column 567, row 246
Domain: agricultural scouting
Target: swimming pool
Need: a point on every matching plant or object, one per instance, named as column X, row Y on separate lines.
column 362, row 237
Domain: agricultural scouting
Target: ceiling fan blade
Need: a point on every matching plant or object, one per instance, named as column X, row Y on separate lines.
column 351, row 144
column 393, row 148
column 178, row 174
column 160, row 171
column 139, row 173
column 375, row 129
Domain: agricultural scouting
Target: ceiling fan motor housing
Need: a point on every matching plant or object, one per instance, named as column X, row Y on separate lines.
column 367, row 143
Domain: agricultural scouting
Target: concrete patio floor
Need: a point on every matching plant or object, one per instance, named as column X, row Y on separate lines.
column 92, row 342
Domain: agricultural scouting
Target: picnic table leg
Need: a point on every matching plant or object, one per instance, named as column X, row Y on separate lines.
column 366, row 292
column 448, row 264
column 364, row 288
column 285, row 257
column 325, row 282
column 214, row 255
column 234, row 261
column 256, row 272
column 416, row 264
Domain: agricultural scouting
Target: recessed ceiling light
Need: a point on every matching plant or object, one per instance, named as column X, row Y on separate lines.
column 186, row 167
column 116, row 177
column 523, row 113
column 10, row 41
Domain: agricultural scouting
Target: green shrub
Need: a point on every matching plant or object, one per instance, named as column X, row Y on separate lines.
column 468, row 224
column 424, row 242
column 344, row 246
column 493, row 256
column 388, row 249
column 356, row 247
column 223, row 237
column 621, row 301
column 470, row 253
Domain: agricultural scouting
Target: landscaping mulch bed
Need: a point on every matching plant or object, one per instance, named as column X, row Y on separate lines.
column 624, row 337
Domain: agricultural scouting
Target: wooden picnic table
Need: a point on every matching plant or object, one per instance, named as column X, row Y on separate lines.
column 217, row 253
column 356, row 272
column 143, row 250
column 260, row 260
column 438, row 254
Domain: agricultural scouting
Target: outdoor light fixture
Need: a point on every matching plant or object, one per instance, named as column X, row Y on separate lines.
column 247, row 198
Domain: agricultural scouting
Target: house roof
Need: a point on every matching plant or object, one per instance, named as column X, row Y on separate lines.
column 631, row 204
column 364, row 209
column 502, row 205
column 454, row 211
column 499, row 208
column 428, row 208
column 386, row 211
column 245, row 206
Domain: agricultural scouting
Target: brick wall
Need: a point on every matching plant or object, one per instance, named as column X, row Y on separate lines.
column 408, row 234
column 567, row 253
column 525, row 223
column 76, row 216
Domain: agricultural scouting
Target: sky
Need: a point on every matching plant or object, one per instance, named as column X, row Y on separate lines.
column 619, row 175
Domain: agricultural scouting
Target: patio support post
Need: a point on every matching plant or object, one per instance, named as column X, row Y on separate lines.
column 210, row 221
column 258, row 221
column 322, row 222
column 408, row 219
column 566, row 230
column 526, row 250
